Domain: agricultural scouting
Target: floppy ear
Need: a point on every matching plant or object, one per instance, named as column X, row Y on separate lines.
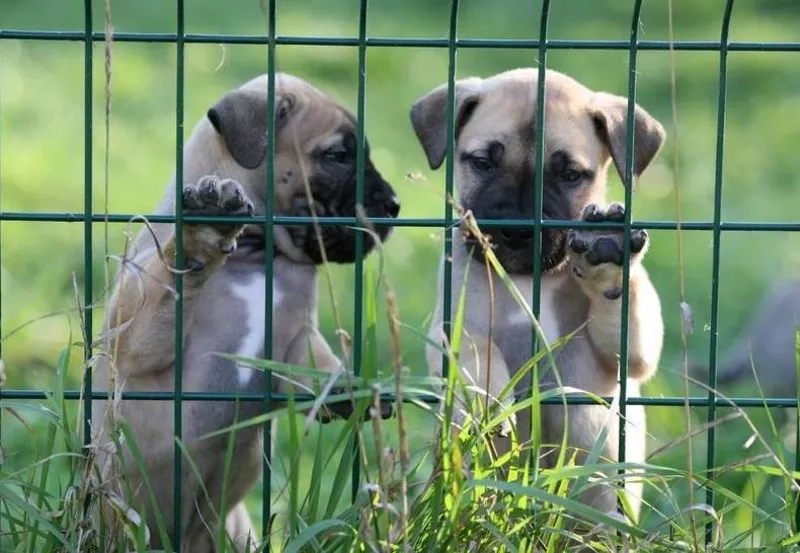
column 610, row 113
column 429, row 117
column 240, row 117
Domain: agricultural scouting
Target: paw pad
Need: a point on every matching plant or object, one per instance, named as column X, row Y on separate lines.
column 204, row 242
column 597, row 256
column 211, row 196
column 604, row 246
column 577, row 244
column 604, row 250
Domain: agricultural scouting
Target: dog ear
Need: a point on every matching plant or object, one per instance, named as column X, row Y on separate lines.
column 240, row 117
column 610, row 113
column 429, row 117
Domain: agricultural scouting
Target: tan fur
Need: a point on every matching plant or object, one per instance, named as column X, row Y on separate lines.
column 587, row 125
column 142, row 318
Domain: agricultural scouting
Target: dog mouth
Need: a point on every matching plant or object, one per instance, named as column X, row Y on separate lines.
column 514, row 248
column 336, row 242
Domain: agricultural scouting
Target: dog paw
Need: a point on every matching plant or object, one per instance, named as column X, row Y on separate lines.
column 206, row 243
column 597, row 256
column 344, row 409
column 506, row 427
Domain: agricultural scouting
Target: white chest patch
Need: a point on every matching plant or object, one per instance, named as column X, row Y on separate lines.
column 253, row 296
column 547, row 309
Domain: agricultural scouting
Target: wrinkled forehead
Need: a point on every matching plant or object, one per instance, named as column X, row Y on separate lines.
column 506, row 113
column 319, row 122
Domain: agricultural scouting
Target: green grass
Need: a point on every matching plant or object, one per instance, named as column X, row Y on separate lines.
column 41, row 169
column 499, row 505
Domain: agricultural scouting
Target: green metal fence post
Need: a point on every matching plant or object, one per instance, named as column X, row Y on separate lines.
column 358, row 284
column 626, row 253
column 178, row 392
column 87, row 220
column 538, row 195
column 447, row 270
column 1, row 232
column 538, row 206
column 717, row 236
column 450, row 198
column 266, row 483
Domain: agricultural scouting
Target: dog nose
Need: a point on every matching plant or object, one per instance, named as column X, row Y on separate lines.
column 393, row 206
column 516, row 236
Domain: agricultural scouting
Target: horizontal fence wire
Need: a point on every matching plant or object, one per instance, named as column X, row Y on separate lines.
column 695, row 401
column 422, row 222
column 362, row 42
column 391, row 42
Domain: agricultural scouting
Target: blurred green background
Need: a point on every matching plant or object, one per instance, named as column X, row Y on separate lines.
column 41, row 155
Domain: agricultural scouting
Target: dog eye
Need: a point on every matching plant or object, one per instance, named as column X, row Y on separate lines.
column 570, row 175
column 336, row 155
column 481, row 164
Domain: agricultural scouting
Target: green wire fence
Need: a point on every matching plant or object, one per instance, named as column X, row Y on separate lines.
column 363, row 43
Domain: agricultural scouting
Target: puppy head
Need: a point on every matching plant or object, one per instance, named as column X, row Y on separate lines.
column 495, row 153
column 315, row 151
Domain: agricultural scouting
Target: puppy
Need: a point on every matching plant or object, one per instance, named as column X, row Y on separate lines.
column 766, row 347
column 582, row 270
column 224, row 292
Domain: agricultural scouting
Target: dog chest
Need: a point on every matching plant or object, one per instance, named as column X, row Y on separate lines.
column 252, row 295
column 548, row 320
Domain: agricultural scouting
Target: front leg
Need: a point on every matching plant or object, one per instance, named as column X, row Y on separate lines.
column 483, row 370
column 144, row 306
column 596, row 259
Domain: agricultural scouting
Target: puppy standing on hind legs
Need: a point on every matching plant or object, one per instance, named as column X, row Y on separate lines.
column 223, row 301
column 495, row 163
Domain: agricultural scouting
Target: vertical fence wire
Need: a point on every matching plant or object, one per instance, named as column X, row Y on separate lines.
column 716, row 244
column 447, row 268
column 1, row 238
column 538, row 190
column 450, row 199
column 358, row 283
column 178, row 399
column 626, row 250
column 87, row 220
column 538, row 207
column 266, row 482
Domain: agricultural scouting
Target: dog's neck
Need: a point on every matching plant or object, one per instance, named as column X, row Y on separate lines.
column 253, row 241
